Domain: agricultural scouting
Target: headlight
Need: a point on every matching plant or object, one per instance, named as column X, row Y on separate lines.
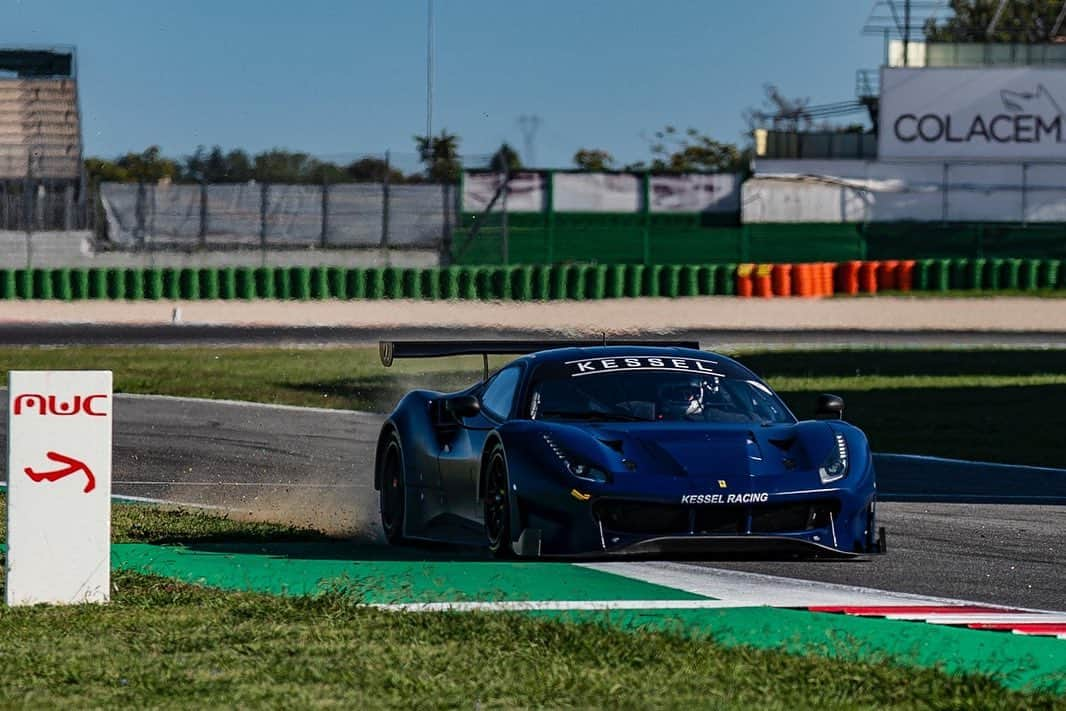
column 836, row 464
column 579, row 469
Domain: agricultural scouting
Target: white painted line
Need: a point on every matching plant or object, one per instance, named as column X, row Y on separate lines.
column 962, row 498
column 273, row 484
column 961, row 618
column 926, row 459
column 754, row 589
column 246, row 403
column 168, row 502
column 528, row 605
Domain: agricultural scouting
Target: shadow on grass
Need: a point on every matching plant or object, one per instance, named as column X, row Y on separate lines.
column 1010, row 425
column 380, row 392
column 828, row 363
column 358, row 551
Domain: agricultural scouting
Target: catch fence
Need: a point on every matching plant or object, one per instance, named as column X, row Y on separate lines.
column 270, row 215
column 34, row 205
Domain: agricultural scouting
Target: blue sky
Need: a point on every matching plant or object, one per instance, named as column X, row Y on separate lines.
column 338, row 78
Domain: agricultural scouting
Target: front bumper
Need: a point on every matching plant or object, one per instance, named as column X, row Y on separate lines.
column 830, row 523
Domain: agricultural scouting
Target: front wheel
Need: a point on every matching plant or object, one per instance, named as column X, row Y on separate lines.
column 498, row 506
column 392, row 492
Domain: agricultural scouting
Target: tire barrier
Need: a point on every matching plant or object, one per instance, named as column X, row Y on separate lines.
column 576, row 282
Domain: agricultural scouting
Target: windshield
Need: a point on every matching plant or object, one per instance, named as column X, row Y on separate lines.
column 652, row 396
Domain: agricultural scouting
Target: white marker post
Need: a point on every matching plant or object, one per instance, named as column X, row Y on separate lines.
column 58, row 487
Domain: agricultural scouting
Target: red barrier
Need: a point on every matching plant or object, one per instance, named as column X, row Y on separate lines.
column 762, row 282
column 823, row 278
column 906, row 275
column 868, row 277
column 781, row 278
column 744, row 282
column 847, row 281
column 887, row 274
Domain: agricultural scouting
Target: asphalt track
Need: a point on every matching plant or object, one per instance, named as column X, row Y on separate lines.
column 59, row 334
column 314, row 467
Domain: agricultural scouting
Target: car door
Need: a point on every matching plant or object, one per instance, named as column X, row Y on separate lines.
column 459, row 460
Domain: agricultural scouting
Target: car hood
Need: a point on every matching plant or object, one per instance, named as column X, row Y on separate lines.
column 711, row 452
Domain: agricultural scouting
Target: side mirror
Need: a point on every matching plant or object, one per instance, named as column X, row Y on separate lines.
column 829, row 407
column 463, row 406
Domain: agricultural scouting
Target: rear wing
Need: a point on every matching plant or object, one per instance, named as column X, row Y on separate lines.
column 391, row 350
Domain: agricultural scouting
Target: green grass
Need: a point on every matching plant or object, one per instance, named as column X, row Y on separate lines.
column 993, row 405
column 167, row 644
column 162, row 643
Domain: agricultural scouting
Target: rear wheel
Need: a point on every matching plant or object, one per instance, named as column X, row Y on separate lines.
column 498, row 506
column 392, row 491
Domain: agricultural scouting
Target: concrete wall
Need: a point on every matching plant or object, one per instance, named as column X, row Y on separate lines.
column 75, row 249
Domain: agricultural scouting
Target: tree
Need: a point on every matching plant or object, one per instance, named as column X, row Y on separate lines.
column 217, row 167
column 148, row 165
column 593, row 159
column 440, row 154
column 372, row 170
column 1025, row 21
column 281, row 166
column 674, row 151
column 320, row 171
column 505, row 160
column 239, row 166
column 103, row 169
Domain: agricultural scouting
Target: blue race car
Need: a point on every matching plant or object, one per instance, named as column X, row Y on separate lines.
column 589, row 449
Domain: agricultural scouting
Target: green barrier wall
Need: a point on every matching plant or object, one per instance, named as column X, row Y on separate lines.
column 535, row 282
column 615, row 238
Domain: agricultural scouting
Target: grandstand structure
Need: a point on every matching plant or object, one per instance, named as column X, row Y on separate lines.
column 42, row 184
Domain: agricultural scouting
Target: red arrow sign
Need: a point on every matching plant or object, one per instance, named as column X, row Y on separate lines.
column 73, row 467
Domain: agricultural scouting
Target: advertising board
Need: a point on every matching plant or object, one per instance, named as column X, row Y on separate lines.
column 1013, row 114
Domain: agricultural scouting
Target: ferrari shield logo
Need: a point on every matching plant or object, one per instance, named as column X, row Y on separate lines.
column 722, row 484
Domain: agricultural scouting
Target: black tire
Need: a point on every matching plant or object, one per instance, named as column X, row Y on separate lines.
column 392, row 491
column 498, row 505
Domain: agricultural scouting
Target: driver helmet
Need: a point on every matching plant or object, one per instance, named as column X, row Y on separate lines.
column 681, row 398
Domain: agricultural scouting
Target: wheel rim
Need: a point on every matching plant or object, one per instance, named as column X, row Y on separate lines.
column 391, row 492
column 496, row 506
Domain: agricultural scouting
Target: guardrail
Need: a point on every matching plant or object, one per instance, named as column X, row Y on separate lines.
column 534, row 283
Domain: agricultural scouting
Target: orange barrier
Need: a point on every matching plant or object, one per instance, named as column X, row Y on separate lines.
column 823, row 278
column 802, row 283
column 817, row 277
column 848, row 277
column 887, row 274
column 744, row 283
column 868, row 277
column 762, row 282
column 781, row 279
column 906, row 275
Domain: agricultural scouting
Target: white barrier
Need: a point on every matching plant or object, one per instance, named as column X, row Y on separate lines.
column 59, row 487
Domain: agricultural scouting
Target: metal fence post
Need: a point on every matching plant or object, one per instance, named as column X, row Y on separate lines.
column 446, row 236
column 139, row 214
column 264, row 197
column 385, row 203
column 645, row 209
column 944, row 194
column 323, row 237
column 203, row 214
column 68, row 206
column 505, row 245
column 549, row 207
column 1025, row 193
